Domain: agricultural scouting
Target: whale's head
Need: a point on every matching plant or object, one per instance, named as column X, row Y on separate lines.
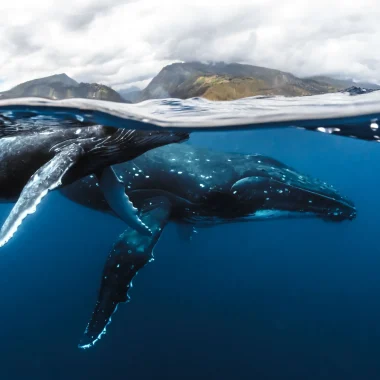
column 274, row 190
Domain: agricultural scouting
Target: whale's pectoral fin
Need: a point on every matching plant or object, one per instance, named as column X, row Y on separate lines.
column 114, row 193
column 47, row 177
column 130, row 253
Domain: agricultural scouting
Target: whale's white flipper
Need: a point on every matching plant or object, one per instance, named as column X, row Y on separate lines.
column 47, row 177
column 114, row 192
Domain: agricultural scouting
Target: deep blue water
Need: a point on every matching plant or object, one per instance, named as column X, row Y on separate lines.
column 289, row 299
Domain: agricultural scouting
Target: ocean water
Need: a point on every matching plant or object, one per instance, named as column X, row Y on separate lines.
column 286, row 299
column 354, row 112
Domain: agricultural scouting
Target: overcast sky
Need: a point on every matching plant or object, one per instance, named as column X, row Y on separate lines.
column 124, row 43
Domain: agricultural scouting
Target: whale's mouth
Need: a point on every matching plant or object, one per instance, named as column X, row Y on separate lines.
column 291, row 195
column 269, row 214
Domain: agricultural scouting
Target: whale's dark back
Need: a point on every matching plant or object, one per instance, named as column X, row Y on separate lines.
column 189, row 173
column 24, row 151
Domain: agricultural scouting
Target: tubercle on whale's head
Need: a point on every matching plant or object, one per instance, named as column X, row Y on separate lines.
column 280, row 190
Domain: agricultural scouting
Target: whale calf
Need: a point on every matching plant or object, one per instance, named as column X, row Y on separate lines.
column 37, row 157
column 196, row 187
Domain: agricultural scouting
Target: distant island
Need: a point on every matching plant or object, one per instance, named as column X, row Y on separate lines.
column 213, row 81
column 61, row 86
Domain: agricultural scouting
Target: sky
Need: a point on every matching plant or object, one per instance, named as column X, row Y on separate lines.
column 126, row 43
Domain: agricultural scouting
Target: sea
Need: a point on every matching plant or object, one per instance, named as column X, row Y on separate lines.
column 290, row 299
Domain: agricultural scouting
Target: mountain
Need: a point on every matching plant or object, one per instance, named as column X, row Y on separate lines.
column 342, row 84
column 221, row 81
column 131, row 94
column 61, row 86
column 213, row 81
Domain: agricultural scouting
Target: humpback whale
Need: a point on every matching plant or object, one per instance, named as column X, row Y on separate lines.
column 36, row 158
column 196, row 187
column 82, row 143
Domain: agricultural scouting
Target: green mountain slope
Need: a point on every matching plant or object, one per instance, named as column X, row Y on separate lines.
column 220, row 81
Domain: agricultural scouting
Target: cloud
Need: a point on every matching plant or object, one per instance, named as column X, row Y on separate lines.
column 124, row 43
